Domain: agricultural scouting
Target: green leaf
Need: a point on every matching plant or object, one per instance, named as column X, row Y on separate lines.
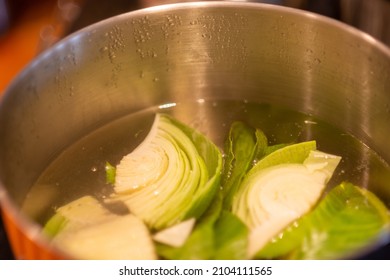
column 346, row 221
column 231, row 237
column 242, row 147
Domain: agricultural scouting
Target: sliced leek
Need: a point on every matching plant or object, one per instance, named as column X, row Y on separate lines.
column 172, row 176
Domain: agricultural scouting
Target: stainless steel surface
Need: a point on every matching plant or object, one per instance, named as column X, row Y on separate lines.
column 166, row 54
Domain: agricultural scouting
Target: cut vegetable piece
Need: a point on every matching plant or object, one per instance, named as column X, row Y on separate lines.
column 280, row 195
column 54, row 225
column 323, row 162
column 200, row 245
column 172, row 176
column 110, row 173
column 343, row 224
column 122, row 237
column 85, row 229
column 176, row 235
column 272, row 197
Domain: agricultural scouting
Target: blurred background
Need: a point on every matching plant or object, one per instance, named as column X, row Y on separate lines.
column 27, row 27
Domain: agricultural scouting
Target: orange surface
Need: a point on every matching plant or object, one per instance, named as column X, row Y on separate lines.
column 20, row 44
column 25, row 247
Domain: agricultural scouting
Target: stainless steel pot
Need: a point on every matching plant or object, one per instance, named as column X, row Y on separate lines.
column 208, row 50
